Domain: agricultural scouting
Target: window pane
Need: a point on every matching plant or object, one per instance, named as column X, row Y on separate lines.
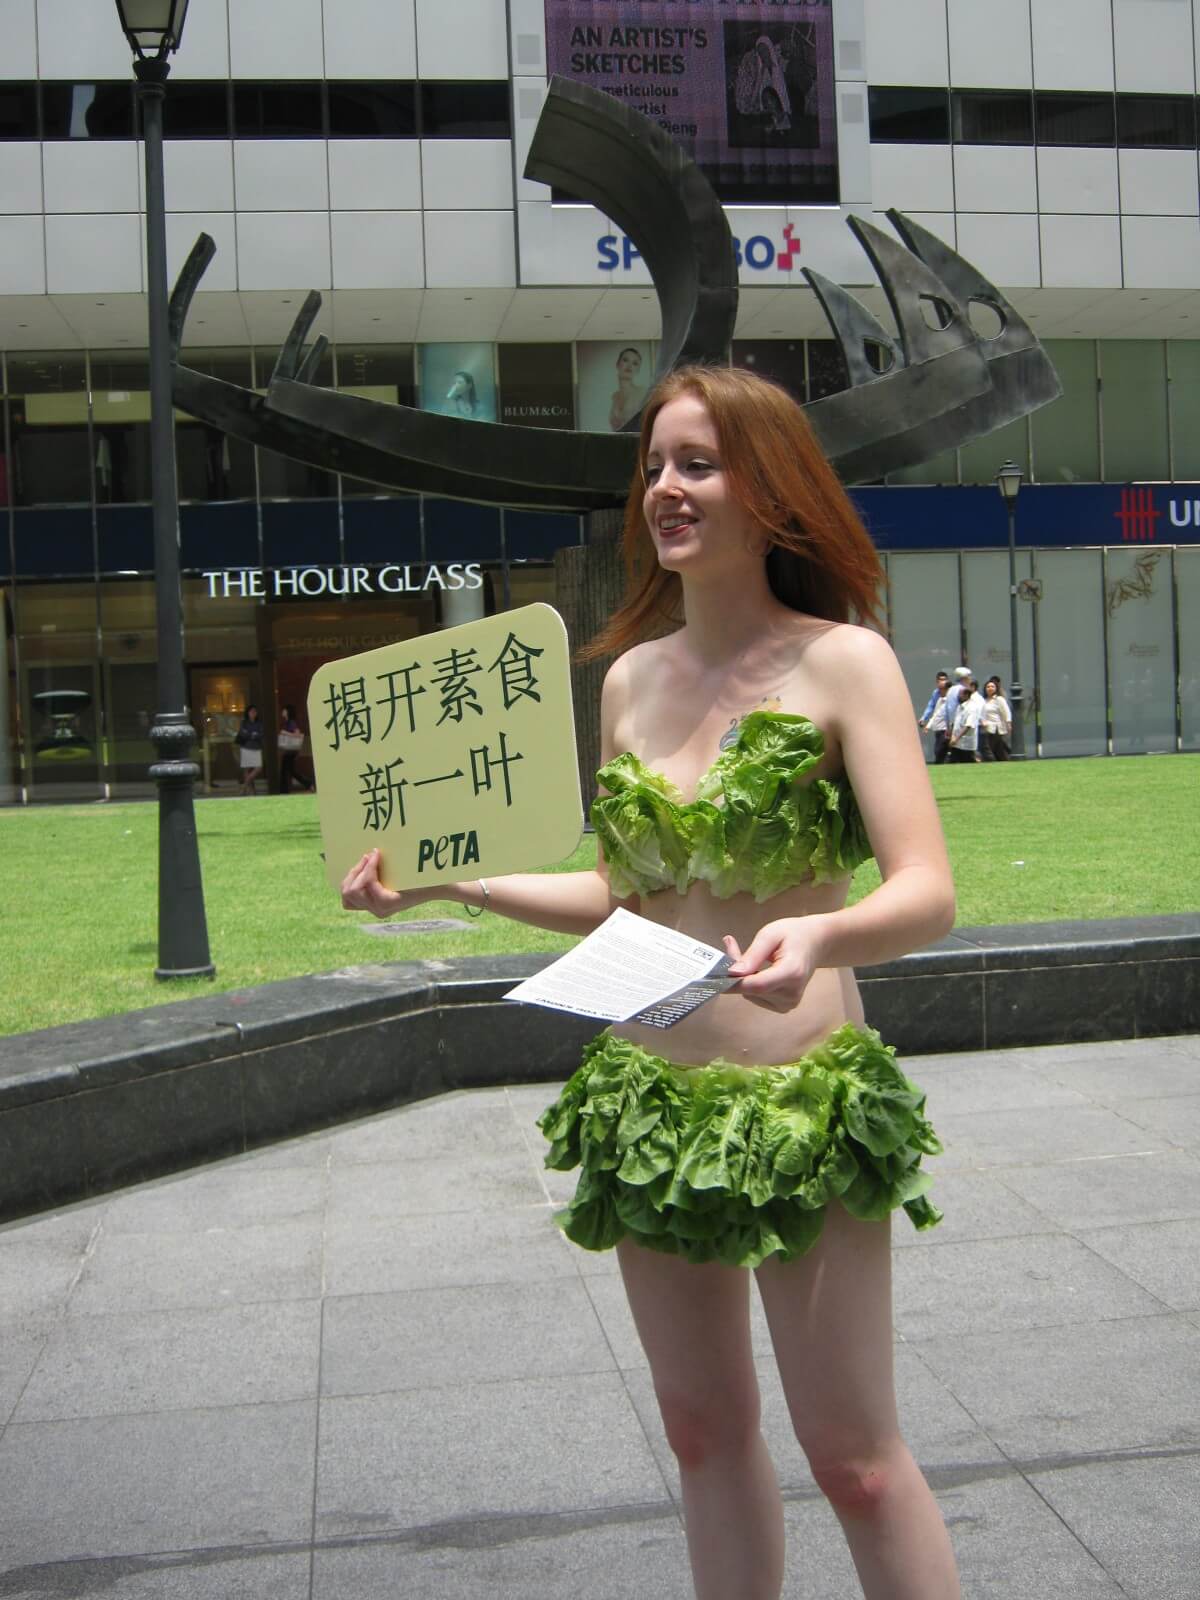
column 48, row 415
column 1133, row 401
column 779, row 359
column 1066, row 437
column 537, row 385
column 992, row 118
column 983, row 458
column 1150, row 121
column 378, row 371
column 1183, row 355
column 988, row 622
column 128, row 652
column 282, row 478
column 924, row 612
column 278, row 111
column 372, row 110
column 375, row 372
column 211, row 464
column 18, row 111
column 1075, row 119
column 826, row 369
column 1141, row 650
column 87, row 111
column 479, row 110
column 56, row 630
column 1071, row 652
column 910, row 116
column 194, row 110
column 942, row 468
column 10, row 754
column 121, row 427
column 1187, row 579
column 222, row 649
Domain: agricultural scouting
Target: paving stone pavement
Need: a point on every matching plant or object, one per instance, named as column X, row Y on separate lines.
column 364, row 1363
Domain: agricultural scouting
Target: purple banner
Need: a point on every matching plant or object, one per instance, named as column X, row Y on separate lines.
column 746, row 88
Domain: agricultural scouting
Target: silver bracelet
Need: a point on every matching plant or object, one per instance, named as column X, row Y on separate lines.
column 477, row 911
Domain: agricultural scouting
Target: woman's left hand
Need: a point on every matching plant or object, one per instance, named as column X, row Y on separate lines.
column 776, row 966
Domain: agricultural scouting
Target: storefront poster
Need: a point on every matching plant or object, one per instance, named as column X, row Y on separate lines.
column 615, row 376
column 746, row 89
column 453, row 754
column 536, row 385
column 458, row 380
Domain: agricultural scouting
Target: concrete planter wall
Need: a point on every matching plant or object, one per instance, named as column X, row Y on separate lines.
column 91, row 1106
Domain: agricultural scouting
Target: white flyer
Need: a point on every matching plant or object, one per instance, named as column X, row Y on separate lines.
column 630, row 970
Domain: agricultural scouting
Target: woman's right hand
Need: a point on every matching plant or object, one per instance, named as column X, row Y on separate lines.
column 362, row 890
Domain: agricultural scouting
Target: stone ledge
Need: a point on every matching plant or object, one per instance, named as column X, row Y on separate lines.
column 90, row 1106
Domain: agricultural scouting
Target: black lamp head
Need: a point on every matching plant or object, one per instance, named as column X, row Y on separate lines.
column 154, row 28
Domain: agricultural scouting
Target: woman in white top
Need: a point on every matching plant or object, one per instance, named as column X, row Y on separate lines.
column 995, row 723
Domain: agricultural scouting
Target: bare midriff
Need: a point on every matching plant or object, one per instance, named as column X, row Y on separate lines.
column 732, row 1028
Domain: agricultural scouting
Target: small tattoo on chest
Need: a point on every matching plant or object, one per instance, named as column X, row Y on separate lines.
column 769, row 702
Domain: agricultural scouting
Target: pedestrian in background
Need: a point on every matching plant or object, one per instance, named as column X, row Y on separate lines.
column 291, row 742
column 962, row 677
column 249, row 740
column 933, row 718
column 995, row 723
column 964, row 735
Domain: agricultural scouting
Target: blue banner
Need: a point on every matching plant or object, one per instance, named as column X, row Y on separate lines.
column 1050, row 515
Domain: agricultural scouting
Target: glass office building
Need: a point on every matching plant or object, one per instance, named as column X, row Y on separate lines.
column 381, row 162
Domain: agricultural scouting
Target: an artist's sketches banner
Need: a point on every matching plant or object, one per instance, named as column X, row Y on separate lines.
column 458, row 380
column 746, row 88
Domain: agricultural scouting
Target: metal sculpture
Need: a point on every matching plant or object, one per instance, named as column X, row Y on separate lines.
column 936, row 383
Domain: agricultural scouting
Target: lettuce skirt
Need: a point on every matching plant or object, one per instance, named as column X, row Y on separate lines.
column 735, row 1164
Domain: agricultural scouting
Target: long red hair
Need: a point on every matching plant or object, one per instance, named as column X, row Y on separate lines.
column 820, row 559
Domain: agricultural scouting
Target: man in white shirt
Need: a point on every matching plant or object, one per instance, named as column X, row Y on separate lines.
column 964, row 732
column 933, row 718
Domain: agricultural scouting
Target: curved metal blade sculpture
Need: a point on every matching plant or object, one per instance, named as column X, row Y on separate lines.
column 933, row 384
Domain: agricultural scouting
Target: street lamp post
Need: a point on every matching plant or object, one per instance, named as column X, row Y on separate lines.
column 1008, row 481
column 153, row 29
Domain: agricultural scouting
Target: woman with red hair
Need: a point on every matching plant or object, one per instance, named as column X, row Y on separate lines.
column 741, row 786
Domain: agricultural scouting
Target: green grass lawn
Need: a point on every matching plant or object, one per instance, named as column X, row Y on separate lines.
column 1029, row 843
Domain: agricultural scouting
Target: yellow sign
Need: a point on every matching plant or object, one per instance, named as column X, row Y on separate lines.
column 453, row 753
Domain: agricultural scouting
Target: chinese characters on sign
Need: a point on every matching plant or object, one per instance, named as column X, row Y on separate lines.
column 439, row 749
column 350, row 706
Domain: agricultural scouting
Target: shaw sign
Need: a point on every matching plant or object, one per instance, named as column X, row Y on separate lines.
column 293, row 583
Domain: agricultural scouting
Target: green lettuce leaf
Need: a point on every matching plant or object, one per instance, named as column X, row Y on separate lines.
column 773, row 741
column 753, row 828
column 733, row 1164
column 627, row 773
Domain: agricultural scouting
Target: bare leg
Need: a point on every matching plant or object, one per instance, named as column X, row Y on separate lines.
column 694, row 1324
column 830, row 1315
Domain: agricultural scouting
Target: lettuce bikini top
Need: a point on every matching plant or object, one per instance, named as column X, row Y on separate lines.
column 752, row 828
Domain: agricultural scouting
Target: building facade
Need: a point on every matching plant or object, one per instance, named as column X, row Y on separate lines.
column 373, row 149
